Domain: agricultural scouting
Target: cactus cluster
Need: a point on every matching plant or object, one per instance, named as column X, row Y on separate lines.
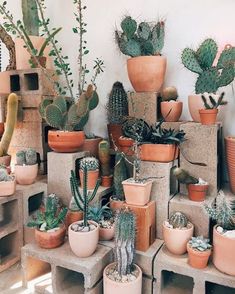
column 178, row 220
column 30, row 17
column 89, row 163
column 26, row 157
column 210, row 76
column 104, row 158
column 213, row 103
column 4, row 176
column 140, row 40
column 169, row 93
column 199, row 243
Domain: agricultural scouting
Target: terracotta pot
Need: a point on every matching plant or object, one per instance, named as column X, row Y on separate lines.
column 7, row 188
column 65, row 142
column 146, row 73
column 137, row 193
column 159, row 152
column 50, row 240
column 26, row 174
column 42, row 60
column 107, row 181
column 113, row 287
column 126, row 145
column 223, row 253
column 114, row 132
column 176, row 108
column 230, row 156
column 72, row 217
column 5, row 160
column 208, row 116
column 91, row 145
column 176, row 239
column 197, row 192
column 1, row 129
column 116, row 205
column 198, row 259
column 84, row 244
column 106, row 234
column 92, row 177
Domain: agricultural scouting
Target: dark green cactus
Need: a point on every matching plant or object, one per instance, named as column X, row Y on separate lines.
column 213, row 104
column 104, row 157
column 30, row 17
column 178, row 220
column 120, row 175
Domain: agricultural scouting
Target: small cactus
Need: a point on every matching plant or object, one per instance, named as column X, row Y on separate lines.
column 178, row 220
column 120, row 175
column 104, row 157
column 26, row 157
column 199, row 243
column 89, row 163
column 213, row 104
column 169, row 93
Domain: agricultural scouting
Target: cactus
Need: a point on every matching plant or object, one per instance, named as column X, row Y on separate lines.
column 89, row 163
column 117, row 107
column 199, row 243
column 20, row 157
column 183, row 176
column 4, row 176
column 26, row 157
column 104, row 157
column 178, row 220
column 214, row 104
column 12, row 108
column 169, row 93
column 120, row 175
column 30, row 17
column 125, row 230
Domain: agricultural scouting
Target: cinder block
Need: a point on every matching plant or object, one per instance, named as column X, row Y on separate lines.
column 173, row 125
column 147, row 285
column 5, row 82
column 33, row 101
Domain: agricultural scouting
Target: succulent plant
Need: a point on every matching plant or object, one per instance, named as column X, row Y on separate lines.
column 120, row 175
column 210, row 76
column 214, row 104
column 183, row 176
column 89, row 163
column 178, row 220
column 98, row 213
column 104, row 157
column 26, row 157
column 199, row 243
column 169, row 93
column 4, row 176
column 30, row 17
column 136, row 129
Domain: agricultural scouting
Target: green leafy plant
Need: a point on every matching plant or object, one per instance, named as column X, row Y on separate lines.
column 178, row 220
column 99, row 213
column 26, row 157
column 89, row 163
column 214, row 104
column 199, row 244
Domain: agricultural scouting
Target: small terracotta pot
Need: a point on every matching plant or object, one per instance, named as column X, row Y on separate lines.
column 230, row 157
column 114, row 132
column 126, row 145
column 175, row 107
column 26, row 174
column 146, row 73
column 65, row 142
column 113, row 287
column 84, row 244
column 42, row 60
column 223, row 253
column 91, row 145
column 208, row 116
column 106, row 234
column 107, row 181
column 176, row 239
column 50, row 240
column 116, row 205
column 72, row 217
column 159, row 152
column 92, row 177
column 7, row 188
column 5, row 160
column 137, row 193
column 197, row 192
column 1, row 129
column 198, row 259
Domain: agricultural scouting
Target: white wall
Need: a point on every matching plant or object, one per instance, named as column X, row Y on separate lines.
column 188, row 22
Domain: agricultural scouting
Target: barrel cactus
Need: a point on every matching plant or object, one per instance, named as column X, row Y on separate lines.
column 169, row 93
column 178, row 220
column 26, row 157
column 89, row 163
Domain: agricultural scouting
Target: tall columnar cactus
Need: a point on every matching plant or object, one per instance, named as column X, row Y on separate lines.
column 26, row 157
column 12, row 108
column 120, row 175
column 104, row 157
column 30, row 17
column 125, row 230
column 178, row 220
column 117, row 107
column 211, row 76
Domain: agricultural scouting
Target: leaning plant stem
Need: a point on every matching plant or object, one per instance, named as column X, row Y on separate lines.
column 81, row 75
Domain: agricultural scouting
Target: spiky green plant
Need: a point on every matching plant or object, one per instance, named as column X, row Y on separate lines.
column 199, row 243
column 104, row 157
column 214, row 104
column 98, row 213
column 26, row 157
column 30, row 17
column 89, row 163
column 125, row 231
column 178, row 220
column 120, row 175
column 4, row 176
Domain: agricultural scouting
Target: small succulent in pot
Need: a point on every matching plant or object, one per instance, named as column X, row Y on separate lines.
column 7, row 183
column 26, row 157
column 199, row 243
column 171, row 109
column 169, row 94
column 91, row 165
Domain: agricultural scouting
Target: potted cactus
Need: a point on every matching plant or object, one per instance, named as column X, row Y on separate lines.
column 26, row 168
column 105, row 158
column 199, row 251
column 49, row 224
column 7, row 183
column 212, row 74
column 177, row 231
column 84, row 232
column 74, row 214
column 123, row 276
column 171, row 109
column 143, row 43
column 91, row 164
column 223, row 213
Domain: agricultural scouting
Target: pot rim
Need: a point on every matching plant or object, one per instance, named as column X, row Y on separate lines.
column 12, row 181
column 111, row 176
column 166, row 145
column 198, row 253
column 63, row 132
column 222, row 236
column 26, row 166
column 89, row 171
column 177, row 229
column 230, row 138
column 172, row 102
column 61, row 228
column 208, row 111
column 147, row 56
column 147, row 183
column 90, row 232
column 206, row 186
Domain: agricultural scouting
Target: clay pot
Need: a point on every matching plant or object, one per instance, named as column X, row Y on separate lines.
column 230, row 156
column 175, row 107
column 91, row 145
column 42, row 60
column 198, row 259
column 106, row 234
column 146, row 73
column 197, row 192
column 114, row 132
column 5, row 160
column 26, row 174
column 176, row 239
column 116, row 205
column 65, row 142
column 84, row 244
column 50, row 240
column 137, row 193
column 92, row 177
column 7, row 188
column 107, row 181
column 72, row 217
column 208, row 116
column 1, row 129
column 223, row 253
column 126, row 145
column 159, row 152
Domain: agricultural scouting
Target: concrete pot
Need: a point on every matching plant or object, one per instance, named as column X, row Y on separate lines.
column 92, row 177
column 208, row 116
column 26, row 174
column 50, row 240
column 176, row 108
column 230, row 157
column 91, row 145
column 159, row 152
column 7, row 188
column 198, row 259
column 106, row 234
column 197, row 192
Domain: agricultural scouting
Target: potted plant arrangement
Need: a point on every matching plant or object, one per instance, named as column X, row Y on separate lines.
column 26, row 168
column 105, row 158
column 123, row 276
column 223, row 213
column 212, row 75
column 49, row 224
column 103, row 216
column 199, row 251
column 84, row 232
column 91, row 164
column 91, row 144
column 177, row 231
column 143, row 43
column 209, row 114
column 230, row 158
column 7, row 183
column 171, row 109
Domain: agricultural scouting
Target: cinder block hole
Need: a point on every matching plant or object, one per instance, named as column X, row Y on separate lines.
column 212, row 288
column 34, row 202
column 173, row 183
column 31, row 82
column 15, row 83
column 68, row 281
column 8, row 213
column 9, row 247
column 176, row 283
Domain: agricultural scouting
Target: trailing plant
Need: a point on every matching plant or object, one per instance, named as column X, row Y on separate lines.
column 89, row 163
column 4, row 176
column 199, row 244
column 140, row 40
column 104, row 157
column 169, row 94
column 211, row 76
column 30, row 17
column 26, row 157
column 178, row 220
column 214, row 104
column 184, row 177
column 99, row 213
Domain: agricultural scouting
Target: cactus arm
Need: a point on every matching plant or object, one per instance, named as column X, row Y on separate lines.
column 226, row 57
column 227, row 76
column 30, row 17
column 47, row 41
column 75, row 191
column 94, row 191
column 190, row 62
column 213, row 103
column 206, row 105
column 206, row 53
column 85, row 212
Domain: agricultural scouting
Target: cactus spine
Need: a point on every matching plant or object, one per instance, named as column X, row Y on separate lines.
column 30, row 17
column 178, row 220
column 104, row 157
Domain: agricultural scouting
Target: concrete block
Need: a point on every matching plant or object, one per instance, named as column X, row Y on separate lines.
column 173, row 125
column 147, row 285
column 5, row 82
column 33, row 101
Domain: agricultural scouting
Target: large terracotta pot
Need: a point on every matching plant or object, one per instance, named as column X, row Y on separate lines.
column 174, row 107
column 223, row 253
column 92, row 177
column 159, row 152
column 65, row 142
column 42, row 60
column 91, row 145
column 208, row 116
column 7, row 188
column 72, row 217
column 50, row 240
column 113, row 287
column 230, row 156
column 114, row 132
column 84, row 244
column 106, row 234
column 137, row 193
column 107, row 181
column 26, row 174
column 197, row 192
column 176, row 239
column 198, row 259
column 5, row 160
column 146, row 73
